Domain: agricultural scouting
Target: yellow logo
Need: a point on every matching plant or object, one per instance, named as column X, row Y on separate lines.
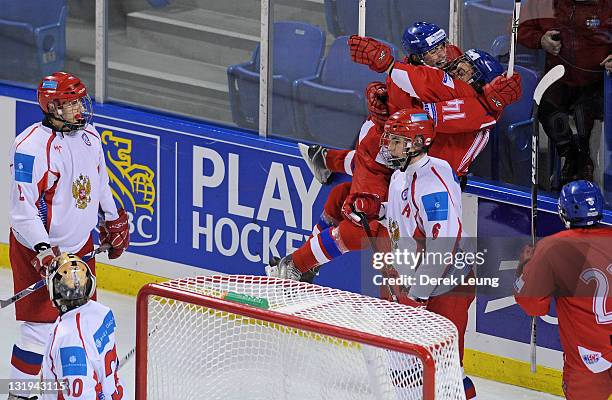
column 81, row 190
column 134, row 183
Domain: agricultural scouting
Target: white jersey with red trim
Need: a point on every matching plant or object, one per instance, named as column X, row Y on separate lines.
column 81, row 356
column 58, row 182
column 423, row 213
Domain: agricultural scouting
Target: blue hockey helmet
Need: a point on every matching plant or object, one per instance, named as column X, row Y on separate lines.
column 484, row 69
column 421, row 37
column 580, row 204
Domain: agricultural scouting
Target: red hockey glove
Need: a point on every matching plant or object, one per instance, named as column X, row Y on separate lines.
column 116, row 234
column 365, row 203
column 371, row 52
column 376, row 98
column 44, row 258
column 502, row 92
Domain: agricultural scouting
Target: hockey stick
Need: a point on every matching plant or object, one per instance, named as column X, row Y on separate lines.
column 362, row 18
column 547, row 81
column 34, row 287
column 131, row 353
column 515, row 24
column 363, row 219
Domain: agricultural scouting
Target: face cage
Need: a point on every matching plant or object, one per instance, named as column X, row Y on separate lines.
column 70, row 128
column 397, row 162
column 476, row 77
column 421, row 56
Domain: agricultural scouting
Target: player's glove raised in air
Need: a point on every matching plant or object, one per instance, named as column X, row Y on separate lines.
column 376, row 98
column 502, row 92
column 367, row 204
column 371, row 52
column 116, row 233
column 44, row 258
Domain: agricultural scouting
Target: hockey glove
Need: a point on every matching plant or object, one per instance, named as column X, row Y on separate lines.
column 44, row 258
column 116, row 233
column 502, row 92
column 376, row 98
column 364, row 203
column 371, row 52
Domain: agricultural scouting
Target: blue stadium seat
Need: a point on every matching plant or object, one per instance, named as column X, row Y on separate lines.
column 483, row 23
column 32, row 38
column 514, row 130
column 298, row 50
column 409, row 12
column 342, row 18
column 330, row 106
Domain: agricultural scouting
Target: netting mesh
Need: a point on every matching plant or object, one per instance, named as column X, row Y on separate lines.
column 196, row 352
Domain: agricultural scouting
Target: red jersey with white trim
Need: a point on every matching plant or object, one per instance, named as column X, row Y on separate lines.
column 575, row 267
column 58, row 183
column 370, row 173
column 424, row 211
column 462, row 122
column 81, row 355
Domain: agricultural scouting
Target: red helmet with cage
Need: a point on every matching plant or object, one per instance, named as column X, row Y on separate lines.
column 60, row 88
column 407, row 133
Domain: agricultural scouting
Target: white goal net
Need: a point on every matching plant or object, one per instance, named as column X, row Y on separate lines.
column 310, row 343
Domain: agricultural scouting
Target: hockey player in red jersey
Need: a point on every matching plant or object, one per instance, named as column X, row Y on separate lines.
column 575, row 268
column 463, row 113
column 59, row 184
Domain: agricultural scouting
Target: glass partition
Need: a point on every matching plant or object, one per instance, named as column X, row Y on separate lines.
column 199, row 58
column 175, row 56
column 38, row 38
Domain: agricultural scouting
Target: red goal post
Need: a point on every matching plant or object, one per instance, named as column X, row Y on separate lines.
column 190, row 314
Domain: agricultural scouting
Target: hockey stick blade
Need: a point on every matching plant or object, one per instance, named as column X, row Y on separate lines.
column 547, row 81
column 34, row 287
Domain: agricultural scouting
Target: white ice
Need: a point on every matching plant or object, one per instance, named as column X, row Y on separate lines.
column 124, row 308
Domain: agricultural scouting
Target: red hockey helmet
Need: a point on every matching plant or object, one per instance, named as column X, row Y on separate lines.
column 62, row 88
column 407, row 133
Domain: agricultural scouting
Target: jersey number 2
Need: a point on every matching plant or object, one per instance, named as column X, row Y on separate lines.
column 601, row 293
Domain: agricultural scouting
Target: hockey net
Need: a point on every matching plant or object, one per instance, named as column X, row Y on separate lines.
column 312, row 343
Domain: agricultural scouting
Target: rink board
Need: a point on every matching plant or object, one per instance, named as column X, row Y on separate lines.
column 207, row 199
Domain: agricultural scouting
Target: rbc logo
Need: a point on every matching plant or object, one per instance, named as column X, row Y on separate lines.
column 133, row 166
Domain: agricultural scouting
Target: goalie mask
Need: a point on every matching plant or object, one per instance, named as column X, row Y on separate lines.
column 70, row 282
column 64, row 99
column 407, row 133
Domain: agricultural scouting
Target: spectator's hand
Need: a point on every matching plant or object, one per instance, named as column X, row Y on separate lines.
column 549, row 43
column 607, row 63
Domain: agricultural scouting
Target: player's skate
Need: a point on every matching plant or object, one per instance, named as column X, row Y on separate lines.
column 283, row 268
column 314, row 155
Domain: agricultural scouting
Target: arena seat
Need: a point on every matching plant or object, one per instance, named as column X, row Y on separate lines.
column 330, row 105
column 298, row 50
column 342, row 18
column 33, row 40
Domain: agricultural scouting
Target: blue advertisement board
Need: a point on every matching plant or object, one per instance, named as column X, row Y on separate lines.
column 204, row 196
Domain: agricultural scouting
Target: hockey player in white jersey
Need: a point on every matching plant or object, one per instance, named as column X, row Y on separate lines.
column 81, row 355
column 422, row 215
column 58, row 186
